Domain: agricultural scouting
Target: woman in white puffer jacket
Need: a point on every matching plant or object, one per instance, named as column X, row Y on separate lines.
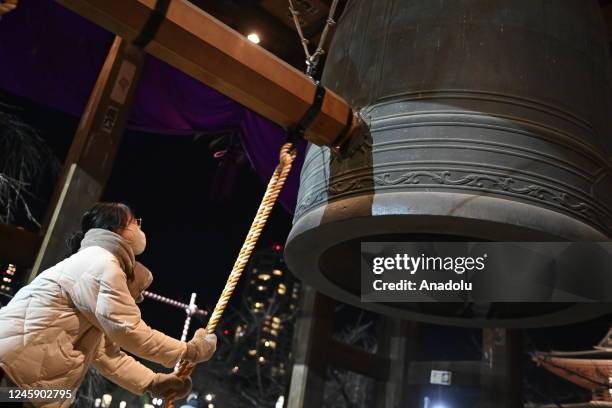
column 82, row 312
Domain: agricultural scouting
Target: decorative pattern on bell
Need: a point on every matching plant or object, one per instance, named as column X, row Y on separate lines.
column 486, row 120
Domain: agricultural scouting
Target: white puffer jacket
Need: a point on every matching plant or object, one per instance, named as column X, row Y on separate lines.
column 78, row 313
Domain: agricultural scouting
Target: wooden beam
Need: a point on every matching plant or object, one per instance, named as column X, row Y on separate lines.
column 395, row 337
column 313, row 331
column 90, row 159
column 501, row 383
column 247, row 17
column 201, row 46
column 357, row 360
column 18, row 246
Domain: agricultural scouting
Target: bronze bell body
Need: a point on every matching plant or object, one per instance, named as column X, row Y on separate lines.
column 486, row 120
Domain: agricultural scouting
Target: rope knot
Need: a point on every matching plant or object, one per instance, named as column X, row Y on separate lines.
column 287, row 154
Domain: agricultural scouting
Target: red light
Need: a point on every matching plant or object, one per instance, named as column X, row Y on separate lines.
column 277, row 247
column 226, row 332
column 220, row 154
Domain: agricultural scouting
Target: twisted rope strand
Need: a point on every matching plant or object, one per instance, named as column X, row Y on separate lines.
column 287, row 155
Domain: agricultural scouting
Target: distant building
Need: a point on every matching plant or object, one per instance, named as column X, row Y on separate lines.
column 262, row 337
column 8, row 284
column 589, row 369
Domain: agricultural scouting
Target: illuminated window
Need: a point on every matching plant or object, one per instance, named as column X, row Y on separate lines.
column 269, row 343
column 277, row 272
column 264, row 276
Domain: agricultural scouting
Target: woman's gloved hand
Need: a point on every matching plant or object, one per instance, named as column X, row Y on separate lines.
column 162, row 384
column 201, row 347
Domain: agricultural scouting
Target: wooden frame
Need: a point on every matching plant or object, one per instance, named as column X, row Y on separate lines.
column 201, row 46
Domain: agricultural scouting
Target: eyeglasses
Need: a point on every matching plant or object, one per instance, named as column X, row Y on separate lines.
column 138, row 221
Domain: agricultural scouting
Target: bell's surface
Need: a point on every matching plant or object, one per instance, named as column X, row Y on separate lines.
column 487, row 120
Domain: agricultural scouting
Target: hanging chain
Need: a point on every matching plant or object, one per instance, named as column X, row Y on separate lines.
column 287, row 155
column 312, row 60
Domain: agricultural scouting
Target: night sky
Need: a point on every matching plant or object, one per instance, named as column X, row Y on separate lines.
column 192, row 237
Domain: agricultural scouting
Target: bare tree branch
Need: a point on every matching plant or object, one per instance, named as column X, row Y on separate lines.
column 24, row 156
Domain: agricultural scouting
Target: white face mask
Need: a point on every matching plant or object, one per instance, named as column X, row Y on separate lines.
column 136, row 238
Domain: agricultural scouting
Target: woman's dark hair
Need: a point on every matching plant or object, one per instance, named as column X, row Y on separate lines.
column 108, row 216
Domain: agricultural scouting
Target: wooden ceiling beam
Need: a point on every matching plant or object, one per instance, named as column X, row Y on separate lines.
column 248, row 17
column 201, row 46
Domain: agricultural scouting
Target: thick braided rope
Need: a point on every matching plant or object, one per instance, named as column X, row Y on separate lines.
column 287, row 155
column 7, row 5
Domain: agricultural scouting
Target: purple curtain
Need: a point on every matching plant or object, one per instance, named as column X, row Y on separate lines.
column 52, row 56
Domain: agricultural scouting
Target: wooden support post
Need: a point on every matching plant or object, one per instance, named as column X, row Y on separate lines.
column 411, row 393
column 358, row 360
column 311, row 340
column 315, row 350
column 501, row 369
column 90, row 159
column 394, row 337
column 209, row 51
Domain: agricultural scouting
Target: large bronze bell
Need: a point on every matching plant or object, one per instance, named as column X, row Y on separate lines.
column 487, row 120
